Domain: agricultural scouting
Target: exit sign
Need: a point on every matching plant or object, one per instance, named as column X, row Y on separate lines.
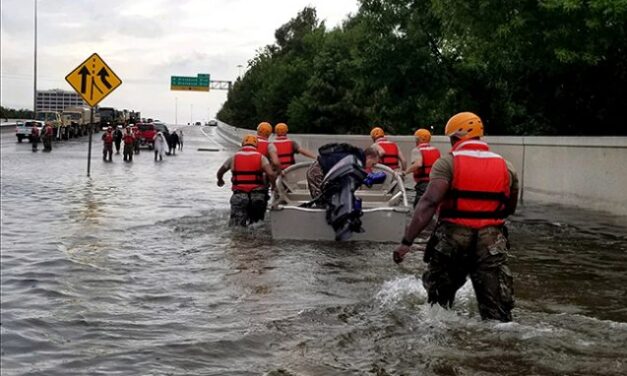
column 198, row 83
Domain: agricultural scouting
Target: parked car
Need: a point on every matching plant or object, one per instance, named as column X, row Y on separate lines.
column 161, row 127
column 23, row 129
column 213, row 123
column 147, row 132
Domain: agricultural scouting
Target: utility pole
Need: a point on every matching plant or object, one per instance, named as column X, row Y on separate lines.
column 191, row 114
column 35, row 67
column 176, row 110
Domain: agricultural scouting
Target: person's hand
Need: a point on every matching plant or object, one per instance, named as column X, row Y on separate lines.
column 400, row 252
column 220, row 182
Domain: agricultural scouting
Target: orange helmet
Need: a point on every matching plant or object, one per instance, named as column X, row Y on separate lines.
column 464, row 125
column 376, row 132
column 280, row 129
column 423, row 135
column 249, row 140
column 264, row 129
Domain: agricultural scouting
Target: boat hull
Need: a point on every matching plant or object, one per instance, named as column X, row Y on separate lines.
column 380, row 224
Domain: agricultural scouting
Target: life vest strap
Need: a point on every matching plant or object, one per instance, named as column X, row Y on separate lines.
column 454, row 213
column 478, row 195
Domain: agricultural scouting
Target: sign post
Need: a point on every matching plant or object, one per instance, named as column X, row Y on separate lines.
column 93, row 80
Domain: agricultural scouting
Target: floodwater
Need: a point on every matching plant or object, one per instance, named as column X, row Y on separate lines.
column 135, row 272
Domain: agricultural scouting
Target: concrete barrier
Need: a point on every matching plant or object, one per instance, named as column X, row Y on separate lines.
column 586, row 172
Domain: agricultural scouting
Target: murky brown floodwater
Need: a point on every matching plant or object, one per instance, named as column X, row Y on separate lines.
column 134, row 271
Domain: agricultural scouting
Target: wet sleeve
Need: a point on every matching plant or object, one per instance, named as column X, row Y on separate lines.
column 416, row 155
column 296, row 146
column 227, row 164
column 271, row 148
column 513, row 176
column 264, row 161
column 443, row 168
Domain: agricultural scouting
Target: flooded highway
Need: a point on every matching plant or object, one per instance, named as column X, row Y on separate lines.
column 134, row 271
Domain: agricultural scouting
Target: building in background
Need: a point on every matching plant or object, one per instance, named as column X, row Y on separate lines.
column 57, row 100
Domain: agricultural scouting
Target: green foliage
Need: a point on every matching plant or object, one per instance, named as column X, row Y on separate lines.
column 526, row 67
column 10, row 113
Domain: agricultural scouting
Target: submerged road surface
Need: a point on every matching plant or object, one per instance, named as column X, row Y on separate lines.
column 135, row 272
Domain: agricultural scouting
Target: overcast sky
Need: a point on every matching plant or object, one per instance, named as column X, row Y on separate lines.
column 144, row 42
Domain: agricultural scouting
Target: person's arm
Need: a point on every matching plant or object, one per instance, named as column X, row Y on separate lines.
column 306, row 153
column 512, row 203
column 267, row 168
column 403, row 161
column 222, row 170
column 428, row 204
column 274, row 157
column 416, row 163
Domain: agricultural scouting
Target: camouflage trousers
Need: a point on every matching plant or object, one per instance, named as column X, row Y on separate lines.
column 455, row 252
column 420, row 188
column 248, row 207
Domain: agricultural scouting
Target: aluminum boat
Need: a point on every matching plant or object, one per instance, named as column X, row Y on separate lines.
column 384, row 206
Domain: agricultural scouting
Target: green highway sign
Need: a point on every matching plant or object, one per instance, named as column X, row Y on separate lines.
column 198, row 83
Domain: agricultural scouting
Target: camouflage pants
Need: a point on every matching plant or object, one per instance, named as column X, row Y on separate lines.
column 455, row 252
column 420, row 188
column 248, row 207
column 107, row 151
column 128, row 152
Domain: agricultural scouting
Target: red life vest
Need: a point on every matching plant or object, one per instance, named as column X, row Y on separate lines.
column 128, row 138
column 48, row 130
column 262, row 145
column 390, row 153
column 247, row 171
column 107, row 138
column 35, row 132
column 429, row 154
column 285, row 151
column 480, row 188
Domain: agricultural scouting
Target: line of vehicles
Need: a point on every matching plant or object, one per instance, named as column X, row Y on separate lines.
column 75, row 122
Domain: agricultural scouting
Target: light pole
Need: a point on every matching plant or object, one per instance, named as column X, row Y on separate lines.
column 35, row 67
column 191, row 114
column 176, row 110
column 239, row 74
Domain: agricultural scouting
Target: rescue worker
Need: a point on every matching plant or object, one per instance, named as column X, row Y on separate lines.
column 117, row 138
column 137, row 135
column 475, row 189
column 389, row 153
column 180, row 132
column 283, row 149
column 129, row 142
column 107, row 144
column 264, row 130
column 34, row 137
column 250, row 193
column 423, row 156
column 48, row 135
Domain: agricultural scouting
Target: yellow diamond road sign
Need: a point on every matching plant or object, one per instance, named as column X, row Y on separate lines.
column 93, row 80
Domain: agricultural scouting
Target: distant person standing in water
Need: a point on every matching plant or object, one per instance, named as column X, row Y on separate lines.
column 159, row 145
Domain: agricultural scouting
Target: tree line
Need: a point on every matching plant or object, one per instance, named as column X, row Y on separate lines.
column 527, row 67
column 10, row 113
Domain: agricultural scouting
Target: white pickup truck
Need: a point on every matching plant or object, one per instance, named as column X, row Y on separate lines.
column 23, row 129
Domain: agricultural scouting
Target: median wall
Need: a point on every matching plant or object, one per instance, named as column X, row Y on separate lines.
column 586, row 172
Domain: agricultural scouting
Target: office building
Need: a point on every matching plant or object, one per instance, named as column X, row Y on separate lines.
column 57, row 100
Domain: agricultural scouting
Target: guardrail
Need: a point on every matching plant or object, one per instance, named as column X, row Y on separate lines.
column 576, row 171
